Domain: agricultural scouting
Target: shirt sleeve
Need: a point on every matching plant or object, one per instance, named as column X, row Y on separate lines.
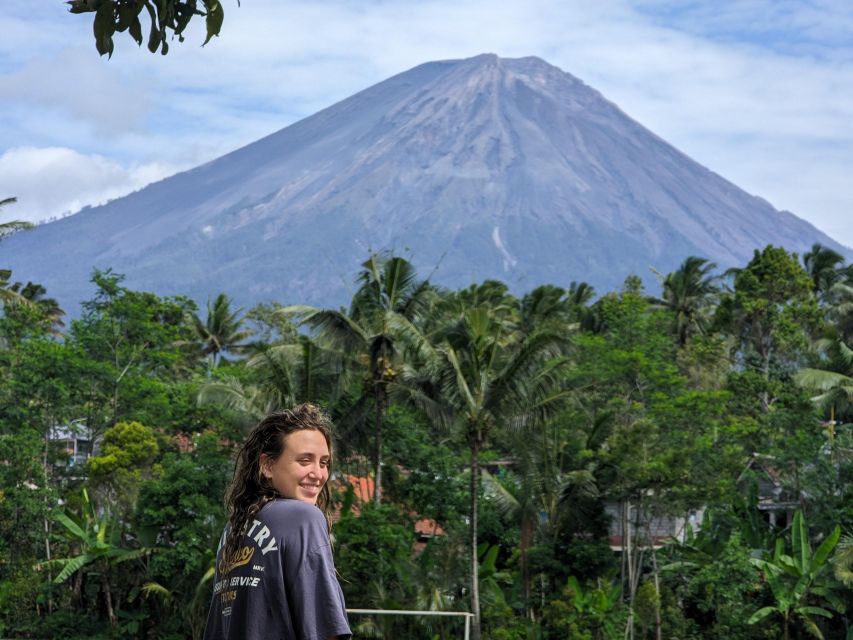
column 317, row 602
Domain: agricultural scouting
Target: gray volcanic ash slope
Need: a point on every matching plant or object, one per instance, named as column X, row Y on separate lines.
column 487, row 167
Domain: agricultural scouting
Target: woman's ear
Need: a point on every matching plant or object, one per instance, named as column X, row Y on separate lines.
column 265, row 462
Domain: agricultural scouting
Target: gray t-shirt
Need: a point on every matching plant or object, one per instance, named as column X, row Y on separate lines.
column 282, row 585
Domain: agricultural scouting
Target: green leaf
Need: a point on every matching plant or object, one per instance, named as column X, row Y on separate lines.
column 789, row 565
column 104, row 27
column 72, row 526
column 761, row 614
column 126, row 14
column 800, row 588
column 800, row 542
column 214, row 19
column 135, row 30
column 811, row 627
column 815, row 611
column 155, row 35
column 824, row 550
column 81, row 6
column 72, row 566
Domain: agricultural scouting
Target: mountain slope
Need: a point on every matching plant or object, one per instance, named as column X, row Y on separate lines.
column 477, row 168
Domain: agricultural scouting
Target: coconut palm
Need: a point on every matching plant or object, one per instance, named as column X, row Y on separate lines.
column 824, row 268
column 840, row 312
column 546, row 304
column 834, row 388
column 482, row 374
column 7, row 295
column 689, row 293
column 221, row 331
column 283, row 375
column 842, row 561
column 12, row 226
column 536, row 492
column 36, row 295
column 190, row 602
column 389, row 288
column 832, row 378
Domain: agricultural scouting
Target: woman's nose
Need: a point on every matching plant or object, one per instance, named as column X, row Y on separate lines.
column 316, row 470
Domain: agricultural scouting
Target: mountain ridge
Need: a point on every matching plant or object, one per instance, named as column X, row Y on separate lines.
column 487, row 167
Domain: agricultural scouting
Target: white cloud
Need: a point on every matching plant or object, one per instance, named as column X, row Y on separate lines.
column 761, row 91
column 54, row 181
column 76, row 83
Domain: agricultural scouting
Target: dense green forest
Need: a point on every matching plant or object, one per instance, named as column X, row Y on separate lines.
column 566, row 464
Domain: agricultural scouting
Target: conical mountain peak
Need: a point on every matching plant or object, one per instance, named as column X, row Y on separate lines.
column 488, row 167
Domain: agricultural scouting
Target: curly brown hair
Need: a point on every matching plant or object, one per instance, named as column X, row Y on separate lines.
column 250, row 489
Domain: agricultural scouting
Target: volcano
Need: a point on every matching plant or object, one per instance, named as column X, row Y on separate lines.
column 473, row 169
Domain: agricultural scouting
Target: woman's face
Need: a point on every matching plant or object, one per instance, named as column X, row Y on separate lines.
column 302, row 468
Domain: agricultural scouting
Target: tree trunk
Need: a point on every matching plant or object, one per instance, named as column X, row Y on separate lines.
column 629, row 564
column 379, row 399
column 765, row 371
column 108, row 599
column 45, row 478
column 527, row 529
column 658, row 629
column 475, row 568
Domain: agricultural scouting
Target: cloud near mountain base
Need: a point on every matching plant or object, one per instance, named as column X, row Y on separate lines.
column 76, row 180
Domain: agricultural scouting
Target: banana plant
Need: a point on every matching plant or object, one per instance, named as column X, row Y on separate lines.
column 98, row 536
column 794, row 580
column 598, row 605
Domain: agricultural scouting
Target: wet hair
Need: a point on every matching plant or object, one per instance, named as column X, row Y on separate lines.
column 250, row 489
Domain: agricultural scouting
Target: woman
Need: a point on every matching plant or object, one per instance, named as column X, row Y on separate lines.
column 274, row 572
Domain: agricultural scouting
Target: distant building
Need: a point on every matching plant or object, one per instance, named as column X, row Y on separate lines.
column 647, row 529
column 363, row 489
column 73, row 440
column 777, row 500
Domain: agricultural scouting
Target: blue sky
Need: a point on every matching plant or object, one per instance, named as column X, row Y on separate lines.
column 758, row 91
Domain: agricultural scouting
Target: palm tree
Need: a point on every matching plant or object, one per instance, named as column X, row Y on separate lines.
column 689, row 292
column 190, row 604
column 545, row 304
column 834, row 388
column 840, row 312
column 8, row 296
column 483, row 374
column 832, row 377
column 221, row 331
column 824, row 267
column 36, row 295
column 536, row 493
column 283, row 375
column 842, row 561
column 13, row 226
column 389, row 289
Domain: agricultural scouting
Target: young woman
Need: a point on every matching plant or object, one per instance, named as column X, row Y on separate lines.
column 275, row 578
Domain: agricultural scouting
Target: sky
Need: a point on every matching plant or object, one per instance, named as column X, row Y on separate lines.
column 758, row 91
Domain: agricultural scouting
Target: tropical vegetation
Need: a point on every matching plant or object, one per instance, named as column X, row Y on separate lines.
column 559, row 463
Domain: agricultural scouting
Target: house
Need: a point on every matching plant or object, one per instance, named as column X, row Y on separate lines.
column 363, row 490
column 73, row 440
column 645, row 528
column 777, row 499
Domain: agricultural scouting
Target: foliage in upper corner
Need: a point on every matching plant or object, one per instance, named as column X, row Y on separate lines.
column 113, row 16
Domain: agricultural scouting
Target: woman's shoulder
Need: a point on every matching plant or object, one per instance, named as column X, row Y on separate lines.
column 288, row 513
